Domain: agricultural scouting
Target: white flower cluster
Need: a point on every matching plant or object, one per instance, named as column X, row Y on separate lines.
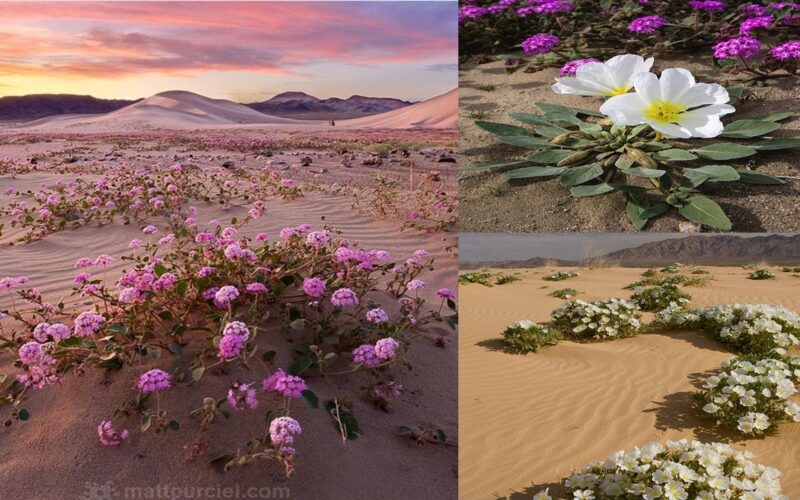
column 751, row 328
column 601, row 319
column 526, row 336
column 761, row 274
column 681, row 470
column 752, row 396
column 560, row 275
column 660, row 297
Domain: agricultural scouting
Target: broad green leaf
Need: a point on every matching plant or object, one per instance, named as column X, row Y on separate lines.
column 735, row 92
column 744, row 129
column 628, row 188
column 750, row 177
column 623, row 162
column 775, row 117
column 674, row 154
column 655, row 146
column 578, row 175
column 524, row 141
column 773, row 144
column 502, row 128
column 593, row 190
column 634, row 211
column 590, row 127
column 549, row 157
column 649, row 173
column 724, row 151
column 557, row 118
column 716, row 173
column 310, row 398
column 527, row 173
column 529, row 118
column 477, row 167
column 655, row 210
column 549, row 108
column 550, row 131
column 703, row 210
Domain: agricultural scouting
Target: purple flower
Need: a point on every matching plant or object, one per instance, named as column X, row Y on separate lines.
column 540, row 44
column 647, row 24
column 365, row 355
column 471, row 12
column 344, row 297
column 236, row 328
column 256, row 288
column 554, row 6
column 446, row 293
column 31, row 353
column 415, row 285
column 225, row 295
column 753, row 10
column 787, row 51
column 314, row 287
column 708, row 5
column 781, row 5
column 154, row 380
column 230, row 346
column 284, row 384
column 386, row 348
column 109, row 436
column 754, row 23
column 571, row 67
column 88, row 323
column 377, row 316
column 282, row 431
column 242, row 396
column 743, row 46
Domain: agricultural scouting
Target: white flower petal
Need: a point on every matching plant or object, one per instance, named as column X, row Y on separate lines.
column 674, row 83
column 670, row 129
column 707, row 126
column 623, row 68
column 578, row 86
column 625, row 109
column 647, row 86
column 705, row 93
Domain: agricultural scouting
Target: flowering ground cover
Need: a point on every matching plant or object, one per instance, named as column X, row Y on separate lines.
column 233, row 314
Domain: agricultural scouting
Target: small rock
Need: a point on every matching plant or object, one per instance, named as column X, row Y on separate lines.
column 306, row 161
column 446, row 159
column 227, row 164
column 688, row 227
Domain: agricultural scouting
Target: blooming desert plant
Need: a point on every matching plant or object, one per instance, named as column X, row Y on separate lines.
column 634, row 143
column 755, row 329
column 660, row 297
column 752, row 397
column 676, row 470
column 207, row 298
column 598, row 320
column 761, row 274
column 526, row 336
column 564, row 293
column 560, row 275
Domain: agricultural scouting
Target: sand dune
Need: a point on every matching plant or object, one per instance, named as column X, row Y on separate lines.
column 533, row 419
column 437, row 112
column 175, row 109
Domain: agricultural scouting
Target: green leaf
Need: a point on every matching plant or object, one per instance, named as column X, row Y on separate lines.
column 174, row 425
column 530, row 118
column 175, row 349
column 159, row 269
column 703, row 210
column 23, row 414
column 674, row 154
column 744, row 129
column 593, row 190
column 524, row 141
column 197, row 373
column 655, row 146
column 716, row 173
column 774, row 144
column 549, row 157
column 750, row 177
column 634, row 211
column 775, row 117
column 725, row 151
column 579, row 175
column 301, row 364
column 477, row 167
column 735, row 92
column 530, row 172
column 655, row 210
column 310, row 398
column 550, row 131
column 404, row 431
column 502, row 128
column 298, row 325
column 648, row 173
column 628, row 188
column 556, row 108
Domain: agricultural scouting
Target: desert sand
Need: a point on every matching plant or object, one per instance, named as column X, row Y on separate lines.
column 529, row 421
column 491, row 203
column 56, row 454
column 181, row 110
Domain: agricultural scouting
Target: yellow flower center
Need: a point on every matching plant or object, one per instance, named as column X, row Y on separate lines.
column 664, row 112
column 619, row 91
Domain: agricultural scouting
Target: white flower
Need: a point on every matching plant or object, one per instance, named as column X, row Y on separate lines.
column 610, row 78
column 674, row 105
column 543, row 495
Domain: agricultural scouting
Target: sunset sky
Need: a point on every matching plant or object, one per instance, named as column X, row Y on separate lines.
column 231, row 50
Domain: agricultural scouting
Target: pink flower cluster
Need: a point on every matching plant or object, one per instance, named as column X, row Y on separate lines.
column 344, row 297
column 8, row 282
column 234, row 337
column 154, row 380
column 282, row 432
column 40, row 366
column 571, row 67
column 242, row 396
column 290, row 386
column 647, row 24
column 44, row 331
column 225, row 296
column 540, row 44
column 377, row 316
column 109, row 436
column 88, row 323
column 743, row 46
column 755, row 23
column 787, row 51
column 314, row 287
column 371, row 356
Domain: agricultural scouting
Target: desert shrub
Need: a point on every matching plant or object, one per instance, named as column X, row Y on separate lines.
column 598, row 320
column 505, row 279
column 560, row 275
column 659, row 297
column 526, row 336
column 761, row 274
column 699, row 271
column 752, row 396
column 676, row 470
column 790, row 269
column 564, row 293
column 673, row 279
column 672, row 268
column 755, row 329
column 481, row 278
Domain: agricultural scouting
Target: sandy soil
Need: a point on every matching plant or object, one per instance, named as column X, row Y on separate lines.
column 528, row 421
column 490, row 203
column 56, row 455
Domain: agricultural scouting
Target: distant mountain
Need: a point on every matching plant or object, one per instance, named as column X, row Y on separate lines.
column 722, row 250
column 302, row 105
column 34, row 106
